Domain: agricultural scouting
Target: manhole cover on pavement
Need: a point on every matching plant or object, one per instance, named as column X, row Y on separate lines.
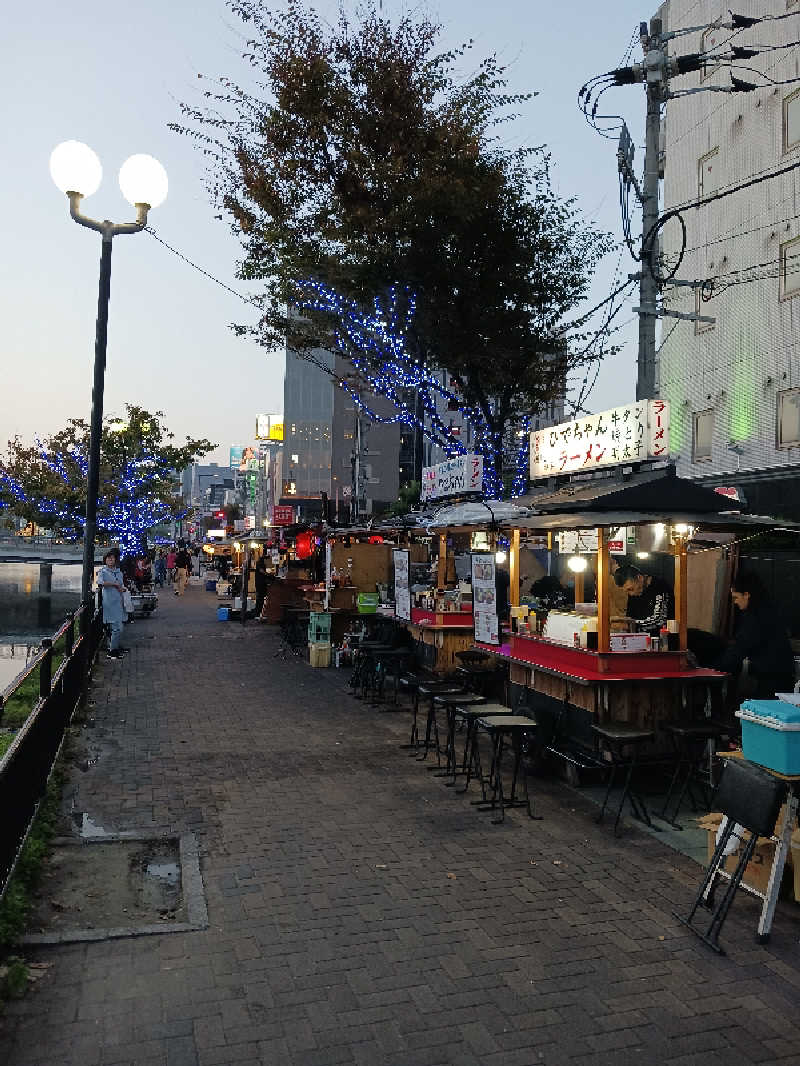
column 117, row 885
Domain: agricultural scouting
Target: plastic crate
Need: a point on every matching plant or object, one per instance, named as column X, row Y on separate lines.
column 771, row 734
column 367, row 602
column 319, row 627
column 223, row 613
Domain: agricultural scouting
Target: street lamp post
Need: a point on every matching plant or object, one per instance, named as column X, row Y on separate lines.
column 76, row 171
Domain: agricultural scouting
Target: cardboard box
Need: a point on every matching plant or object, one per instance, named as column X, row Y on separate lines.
column 319, row 655
column 756, row 874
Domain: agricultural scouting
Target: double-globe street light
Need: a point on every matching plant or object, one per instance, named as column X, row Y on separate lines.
column 76, row 170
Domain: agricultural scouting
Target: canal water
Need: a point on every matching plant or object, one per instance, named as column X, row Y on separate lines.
column 26, row 617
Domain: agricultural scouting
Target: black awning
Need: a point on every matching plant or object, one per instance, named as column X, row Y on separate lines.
column 649, row 491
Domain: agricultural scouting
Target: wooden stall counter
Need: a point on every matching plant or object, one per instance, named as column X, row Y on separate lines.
column 440, row 641
column 575, row 688
column 450, row 619
column 581, row 664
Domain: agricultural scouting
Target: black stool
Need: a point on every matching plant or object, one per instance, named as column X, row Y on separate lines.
column 409, row 683
column 471, row 758
column 451, row 701
column 690, row 740
column 427, row 692
column 502, row 728
column 366, row 666
column 394, row 658
column 615, row 738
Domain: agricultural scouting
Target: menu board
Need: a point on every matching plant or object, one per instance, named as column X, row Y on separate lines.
column 402, row 592
column 484, row 599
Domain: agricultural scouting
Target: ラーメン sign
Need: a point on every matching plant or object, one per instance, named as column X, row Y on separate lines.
column 626, row 434
column 452, row 477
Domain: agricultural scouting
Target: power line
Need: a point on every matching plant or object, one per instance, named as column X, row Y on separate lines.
column 746, row 232
column 730, row 190
column 240, row 296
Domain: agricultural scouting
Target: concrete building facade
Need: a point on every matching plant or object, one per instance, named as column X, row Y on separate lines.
column 734, row 384
column 322, row 433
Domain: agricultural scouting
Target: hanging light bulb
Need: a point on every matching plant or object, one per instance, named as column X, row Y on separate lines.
column 577, row 563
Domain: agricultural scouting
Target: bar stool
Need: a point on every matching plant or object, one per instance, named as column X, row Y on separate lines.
column 427, row 692
column 364, row 672
column 503, row 728
column 409, row 683
column 451, row 701
column 393, row 658
column 690, row 740
column 472, row 656
column 614, row 738
column 469, row 715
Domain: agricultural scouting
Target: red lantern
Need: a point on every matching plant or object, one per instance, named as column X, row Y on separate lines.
column 376, row 539
column 304, row 545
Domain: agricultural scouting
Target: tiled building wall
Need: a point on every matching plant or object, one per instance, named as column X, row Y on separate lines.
column 738, row 367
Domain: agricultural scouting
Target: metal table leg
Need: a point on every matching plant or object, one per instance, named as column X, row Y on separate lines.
column 776, row 873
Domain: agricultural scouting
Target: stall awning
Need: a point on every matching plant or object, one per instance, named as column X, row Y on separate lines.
column 657, row 492
column 729, row 522
column 475, row 513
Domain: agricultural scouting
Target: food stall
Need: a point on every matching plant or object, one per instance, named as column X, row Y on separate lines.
column 443, row 614
column 588, row 664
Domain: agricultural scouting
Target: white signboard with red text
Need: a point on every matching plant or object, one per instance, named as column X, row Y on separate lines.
column 453, row 477
column 626, row 434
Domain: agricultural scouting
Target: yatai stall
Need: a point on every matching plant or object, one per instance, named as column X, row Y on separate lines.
column 592, row 663
column 436, row 601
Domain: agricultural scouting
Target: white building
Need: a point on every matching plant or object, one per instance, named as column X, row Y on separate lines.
column 734, row 385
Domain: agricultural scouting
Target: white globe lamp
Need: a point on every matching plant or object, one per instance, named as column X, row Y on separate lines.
column 74, row 167
column 143, row 181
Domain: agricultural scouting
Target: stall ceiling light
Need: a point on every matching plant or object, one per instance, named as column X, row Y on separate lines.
column 577, row 563
column 500, row 556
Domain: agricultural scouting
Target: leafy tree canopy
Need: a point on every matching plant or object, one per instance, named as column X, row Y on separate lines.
column 45, row 483
column 366, row 160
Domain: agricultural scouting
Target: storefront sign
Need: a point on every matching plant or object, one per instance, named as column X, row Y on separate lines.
column 484, row 599
column 626, row 434
column 262, row 427
column 236, row 457
column 282, row 516
column 452, row 477
column 584, row 541
column 402, row 592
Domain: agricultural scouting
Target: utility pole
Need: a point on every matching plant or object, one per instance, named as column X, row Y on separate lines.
column 655, row 62
column 655, row 71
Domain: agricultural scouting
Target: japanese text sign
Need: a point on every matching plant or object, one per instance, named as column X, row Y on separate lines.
column 626, row 434
column 283, row 516
column 453, row 477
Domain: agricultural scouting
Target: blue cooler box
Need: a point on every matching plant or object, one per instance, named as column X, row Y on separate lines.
column 771, row 734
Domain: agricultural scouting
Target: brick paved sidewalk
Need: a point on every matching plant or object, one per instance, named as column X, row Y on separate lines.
column 360, row 912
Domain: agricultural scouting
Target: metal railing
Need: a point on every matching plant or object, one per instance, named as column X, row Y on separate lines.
column 26, row 767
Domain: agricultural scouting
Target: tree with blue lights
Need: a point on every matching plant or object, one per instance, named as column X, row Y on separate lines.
column 45, row 483
column 368, row 182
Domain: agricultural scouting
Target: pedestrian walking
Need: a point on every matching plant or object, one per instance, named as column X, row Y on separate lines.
column 182, row 564
column 261, row 584
column 171, row 556
column 160, row 568
column 111, row 581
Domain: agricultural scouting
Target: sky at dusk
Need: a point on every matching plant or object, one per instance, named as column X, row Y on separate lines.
column 111, row 74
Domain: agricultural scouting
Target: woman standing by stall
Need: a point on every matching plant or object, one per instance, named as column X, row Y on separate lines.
column 761, row 638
